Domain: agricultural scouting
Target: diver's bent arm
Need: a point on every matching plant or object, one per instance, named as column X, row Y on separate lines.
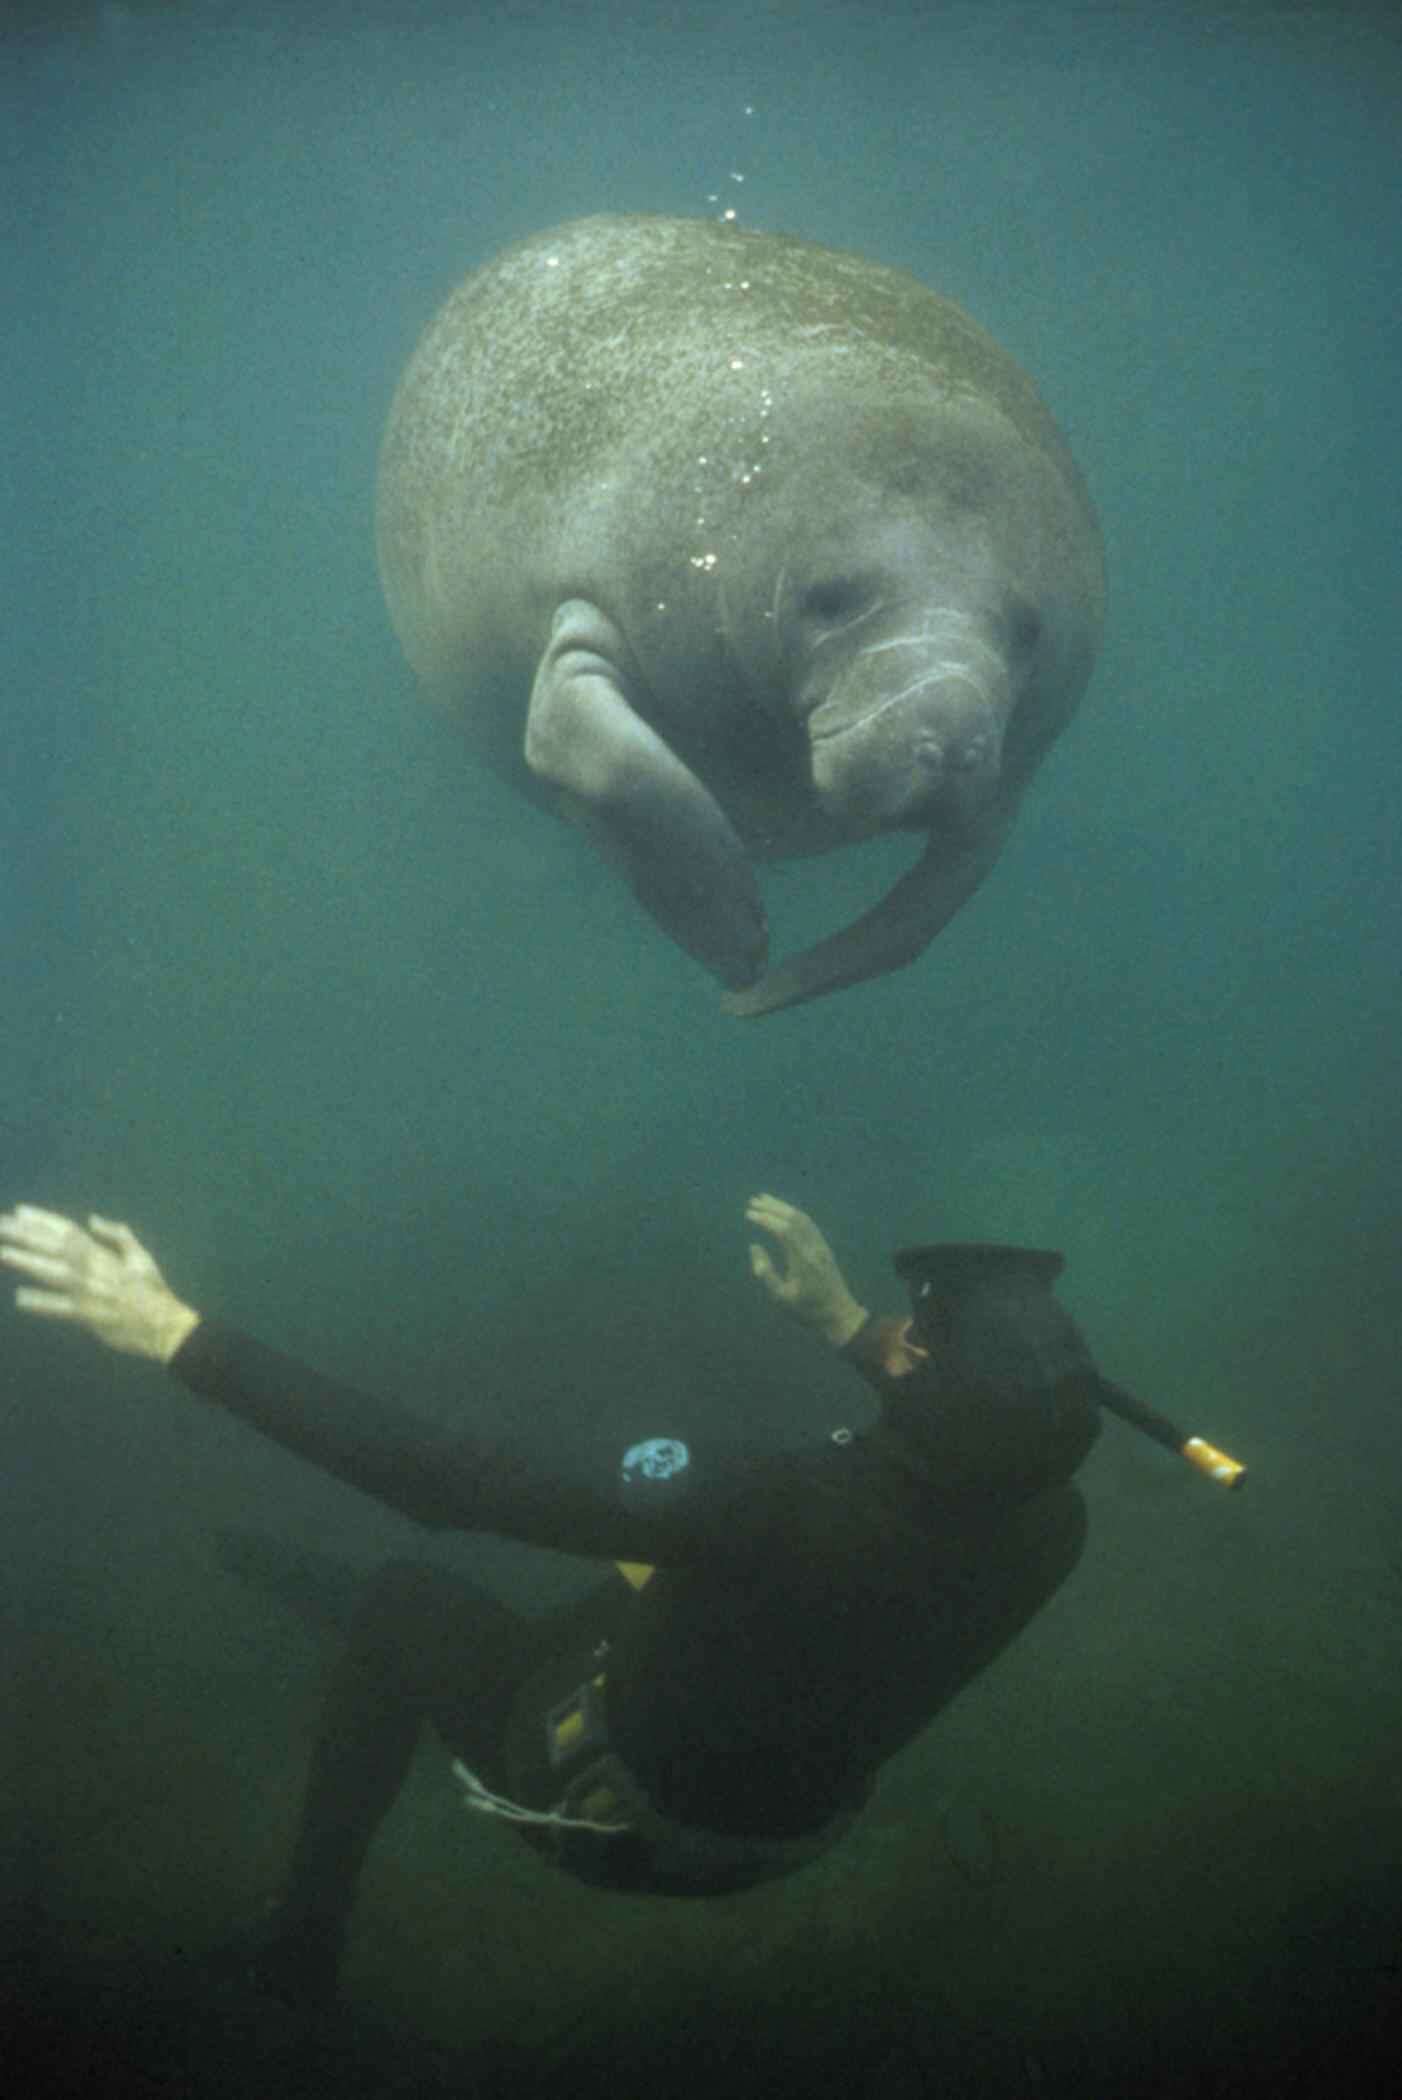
column 810, row 1287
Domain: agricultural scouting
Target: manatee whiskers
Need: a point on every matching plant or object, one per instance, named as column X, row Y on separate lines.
column 874, row 714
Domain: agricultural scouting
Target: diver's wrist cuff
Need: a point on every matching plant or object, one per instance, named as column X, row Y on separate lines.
column 858, row 1343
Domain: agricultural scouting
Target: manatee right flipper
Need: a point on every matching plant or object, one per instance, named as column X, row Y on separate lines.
column 647, row 811
column 889, row 936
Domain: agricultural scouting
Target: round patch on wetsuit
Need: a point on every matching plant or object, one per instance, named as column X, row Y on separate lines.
column 658, row 1462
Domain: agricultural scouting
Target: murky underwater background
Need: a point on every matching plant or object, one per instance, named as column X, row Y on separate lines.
column 385, row 1065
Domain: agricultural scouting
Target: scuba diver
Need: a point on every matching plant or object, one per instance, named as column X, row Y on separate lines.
column 777, row 1625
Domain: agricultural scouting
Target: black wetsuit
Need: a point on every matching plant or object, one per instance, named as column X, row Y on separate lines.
column 811, row 1612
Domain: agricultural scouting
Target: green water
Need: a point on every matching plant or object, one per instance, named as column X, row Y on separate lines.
column 386, row 1066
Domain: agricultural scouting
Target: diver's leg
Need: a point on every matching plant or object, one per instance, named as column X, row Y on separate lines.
column 423, row 1647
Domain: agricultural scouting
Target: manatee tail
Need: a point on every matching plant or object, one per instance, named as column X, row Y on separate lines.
column 320, row 1588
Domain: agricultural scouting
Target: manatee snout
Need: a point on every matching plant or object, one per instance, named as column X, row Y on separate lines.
column 931, row 751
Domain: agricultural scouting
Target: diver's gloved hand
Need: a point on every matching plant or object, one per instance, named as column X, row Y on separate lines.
column 810, row 1286
column 114, row 1289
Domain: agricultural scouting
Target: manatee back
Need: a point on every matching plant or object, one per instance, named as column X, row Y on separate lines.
column 570, row 400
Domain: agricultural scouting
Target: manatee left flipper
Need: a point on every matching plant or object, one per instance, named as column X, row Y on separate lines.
column 889, row 936
column 649, row 813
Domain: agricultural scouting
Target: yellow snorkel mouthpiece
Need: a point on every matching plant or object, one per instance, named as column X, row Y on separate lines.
column 1227, row 1472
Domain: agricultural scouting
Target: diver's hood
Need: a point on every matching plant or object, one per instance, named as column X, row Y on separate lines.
column 1005, row 1403
column 988, row 1313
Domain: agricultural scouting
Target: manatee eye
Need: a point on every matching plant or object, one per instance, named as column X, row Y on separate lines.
column 836, row 598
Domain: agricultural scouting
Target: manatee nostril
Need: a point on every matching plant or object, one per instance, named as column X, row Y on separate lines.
column 967, row 756
column 931, row 754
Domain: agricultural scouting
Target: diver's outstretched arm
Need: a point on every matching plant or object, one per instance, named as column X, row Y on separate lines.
column 100, row 1278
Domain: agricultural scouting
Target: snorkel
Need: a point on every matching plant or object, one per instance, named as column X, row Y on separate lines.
column 991, row 1310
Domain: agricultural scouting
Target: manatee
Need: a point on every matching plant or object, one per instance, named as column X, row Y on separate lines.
column 733, row 547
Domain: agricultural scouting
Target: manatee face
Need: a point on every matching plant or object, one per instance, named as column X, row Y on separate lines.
column 906, row 665
column 747, row 549
column 906, row 715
